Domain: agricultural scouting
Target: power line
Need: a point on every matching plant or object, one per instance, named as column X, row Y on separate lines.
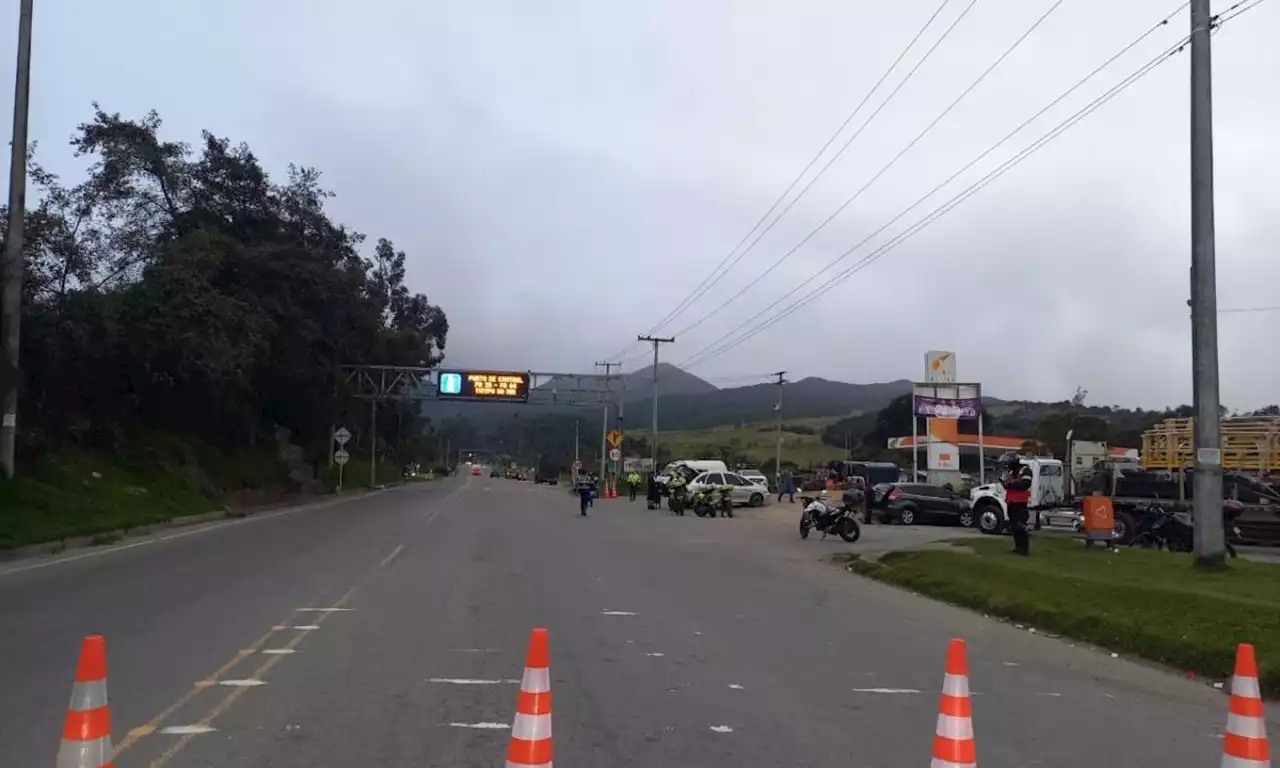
column 1243, row 310
column 716, row 348
column 1243, row 6
column 717, row 272
column 883, row 170
column 705, row 285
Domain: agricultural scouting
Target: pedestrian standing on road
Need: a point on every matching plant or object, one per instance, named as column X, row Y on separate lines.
column 633, row 484
column 787, row 487
column 1016, row 479
column 584, row 492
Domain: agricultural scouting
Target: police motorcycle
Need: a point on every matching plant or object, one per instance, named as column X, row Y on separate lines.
column 836, row 519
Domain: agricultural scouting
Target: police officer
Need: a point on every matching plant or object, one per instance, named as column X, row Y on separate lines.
column 1016, row 479
column 633, row 484
column 675, row 489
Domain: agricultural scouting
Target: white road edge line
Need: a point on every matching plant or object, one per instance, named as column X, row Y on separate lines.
column 246, row 683
column 468, row 681
column 886, row 690
column 483, row 726
column 394, row 553
column 219, row 525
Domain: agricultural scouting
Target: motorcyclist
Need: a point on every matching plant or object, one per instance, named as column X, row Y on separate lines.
column 675, row 488
column 1016, row 479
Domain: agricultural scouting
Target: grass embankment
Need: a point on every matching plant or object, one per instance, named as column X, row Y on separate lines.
column 1155, row 605
column 756, row 442
column 152, row 479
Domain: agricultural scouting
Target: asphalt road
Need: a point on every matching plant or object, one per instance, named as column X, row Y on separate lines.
column 674, row 642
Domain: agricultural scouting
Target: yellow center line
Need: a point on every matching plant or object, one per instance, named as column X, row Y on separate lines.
column 151, row 725
column 231, row 698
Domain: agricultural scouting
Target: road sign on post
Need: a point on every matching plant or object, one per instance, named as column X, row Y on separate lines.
column 615, row 454
column 341, row 457
column 614, row 437
column 341, row 436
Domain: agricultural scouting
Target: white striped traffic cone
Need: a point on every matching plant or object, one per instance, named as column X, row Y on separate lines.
column 86, row 734
column 1244, row 745
column 953, row 744
column 530, row 745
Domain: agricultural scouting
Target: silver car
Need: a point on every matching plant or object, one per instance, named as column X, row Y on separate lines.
column 745, row 492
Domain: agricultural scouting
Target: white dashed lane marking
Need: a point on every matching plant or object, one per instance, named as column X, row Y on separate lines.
column 721, row 729
column 241, row 683
column 887, row 690
column 278, row 651
column 470, row 681
column 483, row 726
column 608, row 612
column 325, row 610
column 736, row 686
column 186, row 730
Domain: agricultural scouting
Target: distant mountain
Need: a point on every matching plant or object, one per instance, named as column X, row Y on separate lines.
column 671, row 381
column 808, row 398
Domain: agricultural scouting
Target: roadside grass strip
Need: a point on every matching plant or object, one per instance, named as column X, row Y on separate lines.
column 1155, row 605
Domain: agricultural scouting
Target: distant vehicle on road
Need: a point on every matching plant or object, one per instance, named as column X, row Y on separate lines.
column 494, row 473
column 745, row 492
column 475, row 469
column 911, row 503
column 874, row 472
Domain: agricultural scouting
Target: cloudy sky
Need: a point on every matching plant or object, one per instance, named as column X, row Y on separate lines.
column 564, row 173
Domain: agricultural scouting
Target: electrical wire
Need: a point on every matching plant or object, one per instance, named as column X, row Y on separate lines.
column 717, row 348
column 856, row 133
column 1243, row 6
column 883, row 170
column 1242, row 310
column 721, row 269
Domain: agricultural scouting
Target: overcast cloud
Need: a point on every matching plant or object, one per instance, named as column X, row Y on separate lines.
column 563, row 173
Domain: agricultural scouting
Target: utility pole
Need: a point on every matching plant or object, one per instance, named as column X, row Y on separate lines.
column 1207, row 503
column 777, row 408
column 653, row 447
column 576, row 460
column 604, row 422
column 11, row 270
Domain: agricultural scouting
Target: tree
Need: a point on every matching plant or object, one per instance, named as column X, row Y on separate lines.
column 185, row 290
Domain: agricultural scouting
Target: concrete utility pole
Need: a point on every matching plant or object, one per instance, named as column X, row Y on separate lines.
column 11, row 270
column 653, row 448
column 777, row 457
column 1207, row 504
column 604, row 422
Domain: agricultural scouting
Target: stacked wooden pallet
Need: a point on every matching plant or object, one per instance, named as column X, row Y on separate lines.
column 1249, row 444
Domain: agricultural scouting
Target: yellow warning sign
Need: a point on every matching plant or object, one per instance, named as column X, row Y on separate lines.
column 614, row 437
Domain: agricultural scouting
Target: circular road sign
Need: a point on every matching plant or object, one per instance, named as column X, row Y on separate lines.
column 615, row 454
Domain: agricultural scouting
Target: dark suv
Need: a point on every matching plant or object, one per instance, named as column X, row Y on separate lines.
column 910, row 503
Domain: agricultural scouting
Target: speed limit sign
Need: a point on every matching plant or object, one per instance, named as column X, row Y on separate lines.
column 615, row 454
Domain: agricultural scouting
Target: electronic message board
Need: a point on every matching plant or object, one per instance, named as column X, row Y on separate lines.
column 496, row 386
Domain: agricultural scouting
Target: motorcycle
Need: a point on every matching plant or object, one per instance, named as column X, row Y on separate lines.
column 828, row 519
column 704, row 503
column 1160, row 528
column 677, row 500
column 725, row 502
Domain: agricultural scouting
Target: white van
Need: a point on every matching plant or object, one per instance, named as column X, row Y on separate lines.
column 690, row 468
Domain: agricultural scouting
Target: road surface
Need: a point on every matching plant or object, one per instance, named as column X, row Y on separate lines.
column 674, row 641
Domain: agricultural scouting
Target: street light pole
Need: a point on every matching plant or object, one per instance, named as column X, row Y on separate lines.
column 11, row 270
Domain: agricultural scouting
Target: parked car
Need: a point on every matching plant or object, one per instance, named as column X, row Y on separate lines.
column 754, row 476
column 910, row 503
column 745, row 492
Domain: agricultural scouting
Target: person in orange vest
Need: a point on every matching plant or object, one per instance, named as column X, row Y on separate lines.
column 1016, row 479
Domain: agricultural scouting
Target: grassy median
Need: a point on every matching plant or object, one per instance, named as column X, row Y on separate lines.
column 1155, row 605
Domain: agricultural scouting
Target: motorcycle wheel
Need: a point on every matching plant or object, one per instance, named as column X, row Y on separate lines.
column 804, row 526
column 849, row 530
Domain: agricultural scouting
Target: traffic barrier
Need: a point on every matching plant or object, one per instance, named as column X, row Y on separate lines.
column 1244, row 745
column 86, row 733
column 953, row 744
column 531, row 730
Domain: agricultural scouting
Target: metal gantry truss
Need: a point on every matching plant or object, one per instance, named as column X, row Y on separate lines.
column 407, row 382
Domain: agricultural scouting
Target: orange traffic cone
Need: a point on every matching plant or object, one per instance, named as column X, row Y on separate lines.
column 1244, row 745
column 953, row 744
column 86, row 735
column 531, row 731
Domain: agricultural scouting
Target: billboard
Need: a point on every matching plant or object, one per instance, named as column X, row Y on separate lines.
column 948, row 408
column 484, row 386
column 939, row 367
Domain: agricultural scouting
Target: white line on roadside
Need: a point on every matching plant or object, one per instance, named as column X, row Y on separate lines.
column 736, row 686
column 886, row 690
column 607, row 612
column 325, row 610
column 483, row 726
column 219, row 525
column 653, row 654
column 307, row 627
column 241, row 683
column 475, row 650
column 468, row 681
column 394, row 553
column 186, row 730
column 278, row 651
column 721, row 729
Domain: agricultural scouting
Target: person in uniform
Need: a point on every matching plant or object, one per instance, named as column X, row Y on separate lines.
column 633, row 484
column 1016, row 479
